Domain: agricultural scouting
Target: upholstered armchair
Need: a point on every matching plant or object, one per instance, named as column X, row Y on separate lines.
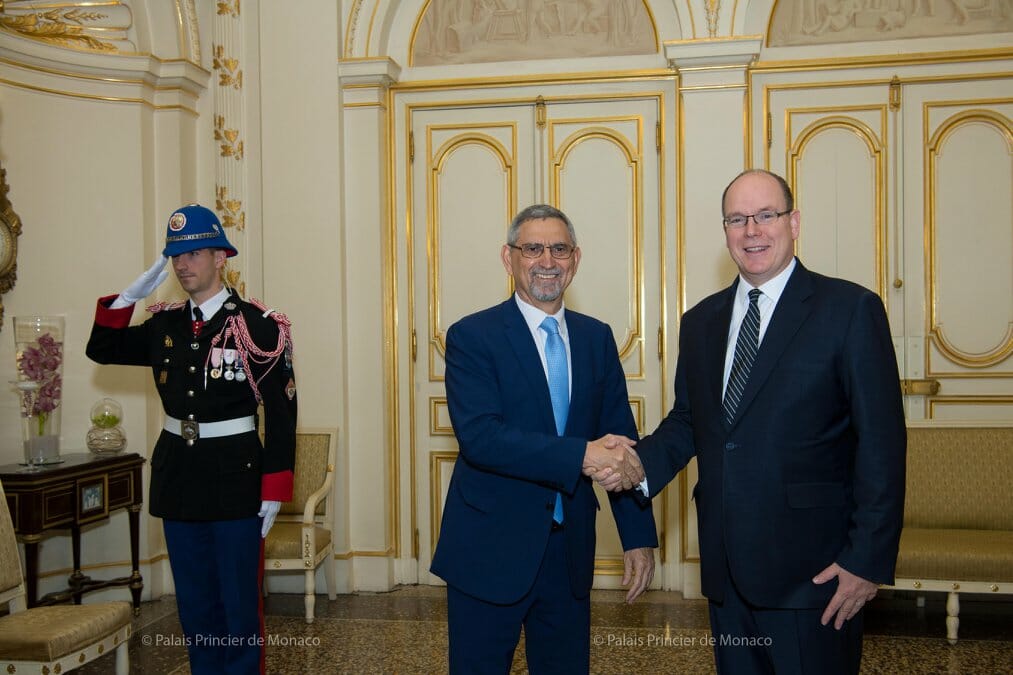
column 301, row 536
column 56, row 638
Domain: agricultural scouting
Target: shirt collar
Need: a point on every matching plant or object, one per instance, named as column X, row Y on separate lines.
column 771, row 289
column 534, row 316
column 211, row 306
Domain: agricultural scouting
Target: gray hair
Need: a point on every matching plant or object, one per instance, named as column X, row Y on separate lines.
column 538, row 212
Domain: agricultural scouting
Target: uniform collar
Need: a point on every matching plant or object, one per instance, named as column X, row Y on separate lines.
column 211, row 306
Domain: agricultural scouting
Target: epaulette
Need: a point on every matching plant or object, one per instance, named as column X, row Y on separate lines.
column 165, row 306
column 278, row 317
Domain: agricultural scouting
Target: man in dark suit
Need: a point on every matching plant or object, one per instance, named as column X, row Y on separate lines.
column 793, row 410
column 529, row 384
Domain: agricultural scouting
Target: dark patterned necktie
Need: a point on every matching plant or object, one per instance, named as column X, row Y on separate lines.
column 198, row 322
column 745, row 353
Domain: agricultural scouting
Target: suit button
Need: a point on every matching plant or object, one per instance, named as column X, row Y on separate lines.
column 193, row 369
column 165, row 360
column 190, row 393
column 730, row 446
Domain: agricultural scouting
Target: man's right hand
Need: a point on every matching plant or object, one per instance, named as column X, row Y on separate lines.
column 144, row 285
column 611, row 461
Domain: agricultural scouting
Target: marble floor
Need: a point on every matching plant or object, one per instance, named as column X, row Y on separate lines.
column 404, row 631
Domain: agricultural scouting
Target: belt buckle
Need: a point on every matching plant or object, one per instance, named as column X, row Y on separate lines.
column 189, row 430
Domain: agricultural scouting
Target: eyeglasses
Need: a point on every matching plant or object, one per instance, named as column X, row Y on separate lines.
column 558, row 251
column 761, row 218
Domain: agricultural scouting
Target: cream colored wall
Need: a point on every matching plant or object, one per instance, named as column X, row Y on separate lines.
column 98, row 150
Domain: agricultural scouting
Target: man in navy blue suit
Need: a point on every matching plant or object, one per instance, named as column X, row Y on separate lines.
column 529, row 385
column 789, row 397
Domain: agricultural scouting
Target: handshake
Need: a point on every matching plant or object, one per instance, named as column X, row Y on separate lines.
column 612, row 463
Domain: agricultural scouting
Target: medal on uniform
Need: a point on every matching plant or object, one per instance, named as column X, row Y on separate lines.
column 240, row 373
column 216, row 363
column 230, row 358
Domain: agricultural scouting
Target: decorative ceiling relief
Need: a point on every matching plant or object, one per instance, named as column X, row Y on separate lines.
column 807, row 22
column 86, row 25
column 461, row 31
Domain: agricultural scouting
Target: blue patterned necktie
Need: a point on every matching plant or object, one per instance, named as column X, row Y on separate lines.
column 559, row 387
column 745, row 353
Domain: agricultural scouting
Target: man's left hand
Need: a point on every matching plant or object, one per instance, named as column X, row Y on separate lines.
column 638, row 571
column 268, row 511
column 852, row 594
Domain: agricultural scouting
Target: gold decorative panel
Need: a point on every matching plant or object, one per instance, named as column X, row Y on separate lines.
column 459, row 254
column 441, row 465
column 837, row 170
column 970, row 160
column 606, row 153
column 439, row 417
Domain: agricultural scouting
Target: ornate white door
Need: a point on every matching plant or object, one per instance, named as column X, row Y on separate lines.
column 472, row 160
column 904, row 184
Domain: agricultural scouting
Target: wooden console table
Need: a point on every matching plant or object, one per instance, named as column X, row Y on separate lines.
column 84, row 489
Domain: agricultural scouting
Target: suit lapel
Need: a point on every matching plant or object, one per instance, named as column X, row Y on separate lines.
column 580, row 368
column 528, row 361
column 717, row 343
column 789, row 315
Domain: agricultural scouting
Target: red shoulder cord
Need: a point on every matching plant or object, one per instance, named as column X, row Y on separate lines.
column 236, row 328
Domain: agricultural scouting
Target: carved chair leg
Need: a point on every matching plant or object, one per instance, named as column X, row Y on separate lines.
column 311, row 598
column 952, row 617
column 123, row 658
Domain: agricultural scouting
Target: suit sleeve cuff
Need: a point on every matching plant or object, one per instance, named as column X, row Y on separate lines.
column 277, row 486
column 112, row 318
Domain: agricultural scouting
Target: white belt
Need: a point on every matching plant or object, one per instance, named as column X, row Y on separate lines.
column 191, row 430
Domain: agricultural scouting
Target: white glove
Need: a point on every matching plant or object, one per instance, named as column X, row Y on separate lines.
column 143, row 286
column 268, row 511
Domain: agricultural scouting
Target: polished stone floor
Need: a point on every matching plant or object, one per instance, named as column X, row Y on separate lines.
column 405, row 631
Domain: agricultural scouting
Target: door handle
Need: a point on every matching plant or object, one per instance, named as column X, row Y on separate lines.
column 919, row 387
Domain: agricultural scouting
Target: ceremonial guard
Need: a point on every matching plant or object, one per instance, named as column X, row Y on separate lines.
column 214, row 358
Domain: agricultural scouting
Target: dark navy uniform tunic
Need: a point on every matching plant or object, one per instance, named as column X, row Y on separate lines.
column 214, row 478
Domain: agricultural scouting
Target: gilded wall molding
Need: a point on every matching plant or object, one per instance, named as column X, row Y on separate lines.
column 934, row 149
column 227, row 67
column 228, row 7
column 632, row 339
column 75, row 25
column 874, row 143
column 229, row 121
column 713, row 14
column 507, row 158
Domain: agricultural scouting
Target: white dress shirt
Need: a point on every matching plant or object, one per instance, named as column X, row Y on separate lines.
column 534, row 317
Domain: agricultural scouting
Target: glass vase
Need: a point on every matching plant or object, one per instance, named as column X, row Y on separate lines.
column 38, row 342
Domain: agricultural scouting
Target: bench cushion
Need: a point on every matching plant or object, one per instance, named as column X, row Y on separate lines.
column 50, row 633
column 957, row 555
column 959, row 478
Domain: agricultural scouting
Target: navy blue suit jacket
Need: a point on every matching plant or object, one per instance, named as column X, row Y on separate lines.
column 498, row 512
column 811, row 471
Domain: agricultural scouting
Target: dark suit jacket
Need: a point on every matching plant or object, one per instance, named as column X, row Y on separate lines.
column 498, row 513
column 811, row 471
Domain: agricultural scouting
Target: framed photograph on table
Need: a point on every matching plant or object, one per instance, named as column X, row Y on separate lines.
column 93, row 501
